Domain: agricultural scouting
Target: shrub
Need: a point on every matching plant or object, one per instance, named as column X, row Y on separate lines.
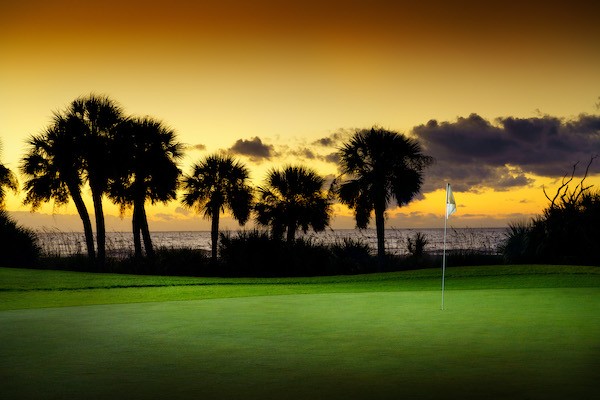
column 416, row 245
column 256, row 253
column 515, row 248
column 568, row 231
column 166, row 261
column 352, row 256
column 18, row 245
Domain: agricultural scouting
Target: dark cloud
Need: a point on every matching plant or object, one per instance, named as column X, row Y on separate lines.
column 253, row 148
column 333, row 140
column 304, row 153
column 474, row 153
column 333, row 158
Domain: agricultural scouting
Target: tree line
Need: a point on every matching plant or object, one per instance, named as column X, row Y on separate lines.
column 135, row 160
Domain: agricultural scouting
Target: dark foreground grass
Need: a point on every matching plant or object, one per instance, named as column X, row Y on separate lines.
column 534, row 336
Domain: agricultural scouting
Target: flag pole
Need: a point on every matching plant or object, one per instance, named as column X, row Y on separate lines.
column 444, row 252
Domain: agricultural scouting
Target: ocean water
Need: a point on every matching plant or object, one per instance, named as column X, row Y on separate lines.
column 119, row 244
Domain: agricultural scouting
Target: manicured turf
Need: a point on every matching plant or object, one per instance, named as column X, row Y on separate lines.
column 531, row 332
column 21, row 288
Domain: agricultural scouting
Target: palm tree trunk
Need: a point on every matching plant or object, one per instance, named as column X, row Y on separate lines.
column 380, row 228
column 214, row 232
column 145, row 230
column 291, row 232
column 137, row 241
column 100, row 227
column 85, row 218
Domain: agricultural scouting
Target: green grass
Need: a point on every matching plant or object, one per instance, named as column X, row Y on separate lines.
column 22, row 288
column 529, row 332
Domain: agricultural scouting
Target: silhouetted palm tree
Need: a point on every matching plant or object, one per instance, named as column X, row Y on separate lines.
column 293, row 199
column 7, row 180
column 382, row 166
column 218, row 183
column 145, row 153
column 54, row 170
column 98, row 116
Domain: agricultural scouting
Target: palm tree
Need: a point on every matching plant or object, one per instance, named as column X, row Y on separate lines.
column 7, row 179
column 382, row 166
column 98, row 117
column 54, row 171
column 218, row 183
column 145, row 153
column 293, row 198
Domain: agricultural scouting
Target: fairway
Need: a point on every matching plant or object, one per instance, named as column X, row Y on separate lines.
column 529, row 343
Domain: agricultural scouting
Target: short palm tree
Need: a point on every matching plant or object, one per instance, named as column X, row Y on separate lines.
column 381, row 166
column 293, row 199
column 145, row 155
column 54, row 171
column 98, row 116
column 218, row 183
column 7, row 180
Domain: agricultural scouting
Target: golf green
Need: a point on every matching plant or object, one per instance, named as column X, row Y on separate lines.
column 539, row 343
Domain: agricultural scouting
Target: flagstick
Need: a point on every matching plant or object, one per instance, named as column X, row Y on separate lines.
column 444, row 253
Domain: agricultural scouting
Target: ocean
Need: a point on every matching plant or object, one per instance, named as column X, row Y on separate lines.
column 119, row 244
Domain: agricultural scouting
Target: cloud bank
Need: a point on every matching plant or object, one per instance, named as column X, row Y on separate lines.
column 474, row 153
column 254, row 148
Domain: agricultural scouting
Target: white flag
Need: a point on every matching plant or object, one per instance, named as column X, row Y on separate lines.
column 450, row 203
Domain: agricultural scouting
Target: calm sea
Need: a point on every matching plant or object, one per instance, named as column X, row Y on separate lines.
column 484, row 240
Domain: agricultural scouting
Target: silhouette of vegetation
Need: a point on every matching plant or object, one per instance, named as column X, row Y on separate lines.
column 381, row 166
column 166, row 261
column 134, row 160
column 292, row 199
column 145, row 155
column 53, row 168
column 257, row 253
column 8, row 180
column 351, row 256
column 218, row 183
column 130, row 159
column 18, row 245
column 567, row 232
column 416, row 244
column 98, row 116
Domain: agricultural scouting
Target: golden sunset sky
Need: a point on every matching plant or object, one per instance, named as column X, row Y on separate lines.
column 513, row 89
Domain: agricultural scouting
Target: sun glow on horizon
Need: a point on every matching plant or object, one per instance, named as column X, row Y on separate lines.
column 292, row 74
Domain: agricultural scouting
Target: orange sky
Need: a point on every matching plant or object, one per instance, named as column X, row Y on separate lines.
column 292, row 73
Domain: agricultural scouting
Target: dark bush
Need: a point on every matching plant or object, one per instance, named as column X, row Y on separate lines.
column 166, row 261
column 416, row 244
column 568, row 232
column 256, row 253
column 352, row 256
column 18, row 245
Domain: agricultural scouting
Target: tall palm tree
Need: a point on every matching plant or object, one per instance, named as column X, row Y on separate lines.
column 381, row 166
column 98, row 117
column 7, row 180
column 54, row 171
column 293, row 199
column 145, row 153
column 218, row 183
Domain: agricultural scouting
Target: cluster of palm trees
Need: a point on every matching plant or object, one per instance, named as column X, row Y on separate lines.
column 132, row 160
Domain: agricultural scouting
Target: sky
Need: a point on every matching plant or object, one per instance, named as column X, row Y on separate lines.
column 506, row 97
